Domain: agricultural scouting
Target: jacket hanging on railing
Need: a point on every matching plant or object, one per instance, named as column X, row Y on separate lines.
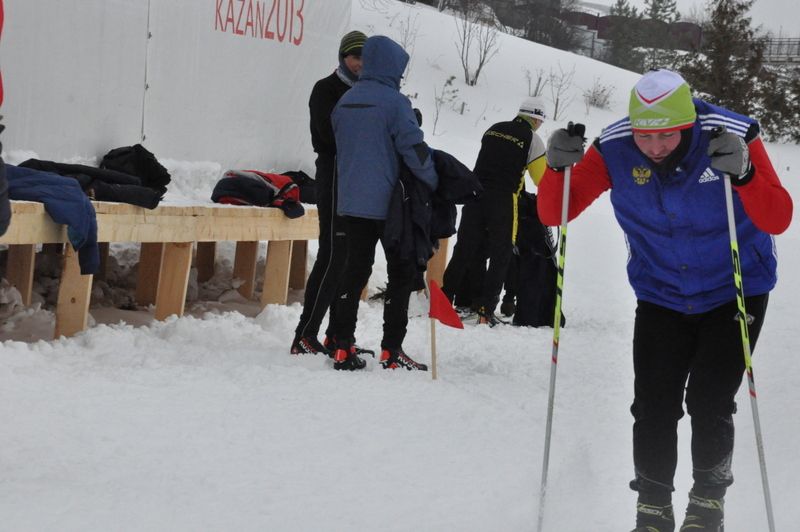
column 66, row 204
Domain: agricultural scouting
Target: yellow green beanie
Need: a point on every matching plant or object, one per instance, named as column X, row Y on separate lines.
column 661, row 101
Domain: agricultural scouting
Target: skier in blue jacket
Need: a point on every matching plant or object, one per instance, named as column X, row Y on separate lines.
column 376, row 132
column 665, row 165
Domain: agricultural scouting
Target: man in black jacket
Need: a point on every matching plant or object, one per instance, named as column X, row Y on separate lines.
column 507, row 150
column 323, row 281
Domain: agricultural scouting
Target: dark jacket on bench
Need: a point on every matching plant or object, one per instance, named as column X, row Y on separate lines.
column 103, row 184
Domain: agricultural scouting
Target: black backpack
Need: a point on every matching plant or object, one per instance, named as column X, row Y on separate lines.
column 538, row 272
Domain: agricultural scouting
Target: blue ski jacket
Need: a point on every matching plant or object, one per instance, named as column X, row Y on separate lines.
column 675, row 222
column 676, row 225
column 376, row 131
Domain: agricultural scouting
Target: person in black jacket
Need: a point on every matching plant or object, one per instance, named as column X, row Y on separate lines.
column 507, row 150
column 323, row 281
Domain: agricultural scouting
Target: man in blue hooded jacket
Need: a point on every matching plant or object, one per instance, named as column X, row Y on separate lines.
column 376, row 133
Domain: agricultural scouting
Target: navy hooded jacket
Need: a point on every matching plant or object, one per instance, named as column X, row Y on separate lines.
column 376, row 130
column 66, row 204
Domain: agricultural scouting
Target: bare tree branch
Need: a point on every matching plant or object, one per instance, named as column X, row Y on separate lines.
column 474, row 30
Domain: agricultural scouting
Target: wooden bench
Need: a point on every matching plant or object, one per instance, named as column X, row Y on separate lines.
column 167, row 235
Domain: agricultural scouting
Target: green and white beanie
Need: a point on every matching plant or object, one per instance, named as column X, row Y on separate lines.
column 352, row 44
column 661, row 101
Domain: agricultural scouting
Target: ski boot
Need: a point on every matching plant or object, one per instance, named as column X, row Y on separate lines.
column 345, row 358
column 396, row 358
column 329, row 342
column 488, row 318
column 651, row 518
column 704, row 514
column 308, row 345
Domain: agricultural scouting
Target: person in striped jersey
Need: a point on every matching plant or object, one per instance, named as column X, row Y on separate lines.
column 664, row 166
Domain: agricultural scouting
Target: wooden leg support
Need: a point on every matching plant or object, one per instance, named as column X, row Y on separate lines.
column 244, row 267
column 52, row 249
column 19, row 269
column 204, row 260
column 173, row 279
column 297, row 275
column 276, row 273
column 74, row 291
column 104, row 250
column 147, row 279
column 438, row 263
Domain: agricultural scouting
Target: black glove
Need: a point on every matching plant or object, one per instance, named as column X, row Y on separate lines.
column 729, row 154
column 565, row 146
column 418, row 114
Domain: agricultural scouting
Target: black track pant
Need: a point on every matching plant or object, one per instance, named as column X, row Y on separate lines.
column 703, row 354
column 362, row 237
column 491, row 216
column 323, row 281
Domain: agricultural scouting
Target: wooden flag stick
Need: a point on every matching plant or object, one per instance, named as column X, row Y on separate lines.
column 433, row 348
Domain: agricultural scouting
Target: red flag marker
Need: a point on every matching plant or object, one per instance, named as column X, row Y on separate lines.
column 441, row 308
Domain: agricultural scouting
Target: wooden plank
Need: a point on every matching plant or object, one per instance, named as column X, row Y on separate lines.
column 438, row 263
column 147, row 278
column 30, row 224
column 173, row 279
column 276, row 272
column 244, row 267
column 204, row 259
column 19, row 269
column 74, row 291
column 298, row 273
column 120, row 222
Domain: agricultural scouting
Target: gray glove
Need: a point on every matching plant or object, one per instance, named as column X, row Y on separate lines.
column 729, row 154
column 565, row 146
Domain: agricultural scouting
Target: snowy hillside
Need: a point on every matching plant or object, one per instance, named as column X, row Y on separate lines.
column 207, row 423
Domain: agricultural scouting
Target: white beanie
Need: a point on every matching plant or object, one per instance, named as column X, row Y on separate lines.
column 533, row 107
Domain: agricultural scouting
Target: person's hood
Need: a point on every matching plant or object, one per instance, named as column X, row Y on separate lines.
column 384, row 61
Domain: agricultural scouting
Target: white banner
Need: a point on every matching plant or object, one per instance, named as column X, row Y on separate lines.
column 73, row 73
column 226, row 80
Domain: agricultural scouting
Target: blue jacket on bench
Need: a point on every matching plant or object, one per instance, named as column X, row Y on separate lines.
column 66, row 204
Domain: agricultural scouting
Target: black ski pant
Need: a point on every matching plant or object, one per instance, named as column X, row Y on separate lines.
column 362, row 236
column 492, row 213
column 511, row 284
column 701, row 353
column 324, row 280
column 468, row 292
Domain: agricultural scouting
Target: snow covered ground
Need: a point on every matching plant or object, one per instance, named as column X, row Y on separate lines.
column 207, row 423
